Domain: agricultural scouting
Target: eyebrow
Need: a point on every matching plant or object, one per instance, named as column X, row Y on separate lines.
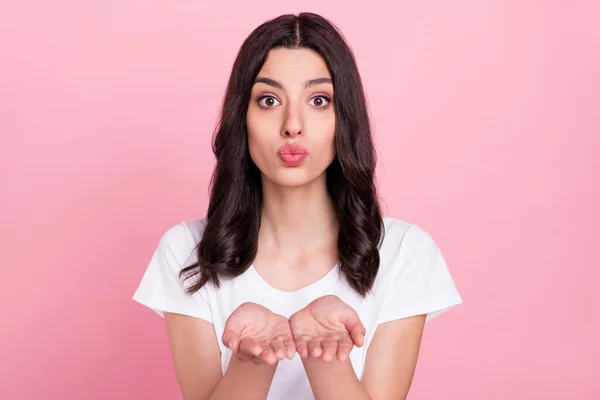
column 308, row 83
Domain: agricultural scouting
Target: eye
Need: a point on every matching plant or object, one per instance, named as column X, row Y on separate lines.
column 270, row 101
column 320, row 100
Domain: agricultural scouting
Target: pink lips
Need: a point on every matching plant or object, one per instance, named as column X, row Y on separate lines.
column 292, row 154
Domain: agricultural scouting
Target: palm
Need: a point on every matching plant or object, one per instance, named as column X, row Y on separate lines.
column 254, row 333
column 315, row 324
column 325, row 328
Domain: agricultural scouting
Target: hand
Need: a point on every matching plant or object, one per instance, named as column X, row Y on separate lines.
column 255, row 333
column 325, row 328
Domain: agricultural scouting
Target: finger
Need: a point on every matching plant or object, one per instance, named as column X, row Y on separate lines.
column 278, row 348
column 330, row 348
column 267, row 355
column 358, row 335
column 257, row 360
column 314, row 348
column 251, row 347
column 301, row 346
column 231, row 340
column 243, row 356
column 290, row 347
column 344, row 347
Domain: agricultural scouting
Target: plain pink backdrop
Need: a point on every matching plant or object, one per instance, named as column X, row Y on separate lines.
column 487, row 120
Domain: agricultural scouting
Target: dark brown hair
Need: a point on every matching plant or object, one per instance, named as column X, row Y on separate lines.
column 229, row 241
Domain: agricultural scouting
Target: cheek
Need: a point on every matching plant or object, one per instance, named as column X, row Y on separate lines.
column 253, row 129
column 255, row 145
column 331, row 152
column 327, row 138
column 260, row 140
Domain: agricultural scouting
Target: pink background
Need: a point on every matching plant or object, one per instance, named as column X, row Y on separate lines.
column 487, row 118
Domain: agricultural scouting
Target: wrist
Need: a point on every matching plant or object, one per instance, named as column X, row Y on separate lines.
column 333, row 379
column 248, row 364
column 318, row 363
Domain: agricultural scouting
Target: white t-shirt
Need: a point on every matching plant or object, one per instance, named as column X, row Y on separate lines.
column 413, row 279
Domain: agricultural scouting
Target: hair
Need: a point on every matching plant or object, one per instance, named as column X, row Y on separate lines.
column 230, row 238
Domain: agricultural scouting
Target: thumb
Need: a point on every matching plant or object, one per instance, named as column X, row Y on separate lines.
column 234, row 326
column 355, row 327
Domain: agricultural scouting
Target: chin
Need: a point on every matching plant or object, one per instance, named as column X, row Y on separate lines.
column 293, row 177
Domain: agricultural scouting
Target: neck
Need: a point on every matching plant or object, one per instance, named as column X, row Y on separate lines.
column 298, row 219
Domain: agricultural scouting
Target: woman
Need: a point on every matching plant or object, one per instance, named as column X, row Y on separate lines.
column 294, row 286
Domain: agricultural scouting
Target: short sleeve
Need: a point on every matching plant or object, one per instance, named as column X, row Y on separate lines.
column 161, row 288
column 422, row 283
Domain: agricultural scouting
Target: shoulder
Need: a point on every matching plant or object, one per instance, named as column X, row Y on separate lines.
column 194, row 228
column 403, row 239
column 405, row 246
column 181, row 238
column 187, row 230
column 161, row 287
column 415, row 278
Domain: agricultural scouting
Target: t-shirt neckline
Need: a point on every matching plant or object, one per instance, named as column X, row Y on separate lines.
column 312, row 286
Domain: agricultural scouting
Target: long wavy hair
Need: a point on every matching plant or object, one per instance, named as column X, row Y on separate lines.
column 230, row 237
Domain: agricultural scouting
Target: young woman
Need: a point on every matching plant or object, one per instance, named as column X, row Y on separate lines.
column 294, row 286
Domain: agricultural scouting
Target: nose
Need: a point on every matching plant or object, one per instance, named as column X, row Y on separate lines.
column 292, row 125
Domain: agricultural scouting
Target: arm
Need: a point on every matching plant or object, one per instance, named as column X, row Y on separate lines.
column 334, row 380
column 197, row 358
column 389, row 368
column 245, row 380
column 392, row 358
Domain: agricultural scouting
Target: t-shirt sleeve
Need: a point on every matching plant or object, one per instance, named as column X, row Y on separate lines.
column 161, row 288
column 422, row 283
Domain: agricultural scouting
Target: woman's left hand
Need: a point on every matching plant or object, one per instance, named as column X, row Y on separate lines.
column 325, row 328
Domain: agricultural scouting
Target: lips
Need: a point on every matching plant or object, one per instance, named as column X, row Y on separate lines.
column 292, row 155
column 292, row 149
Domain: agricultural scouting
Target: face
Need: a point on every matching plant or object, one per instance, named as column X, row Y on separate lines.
column 291, row 119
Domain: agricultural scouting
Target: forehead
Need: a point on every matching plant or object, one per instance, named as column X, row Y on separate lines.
column 294, row 65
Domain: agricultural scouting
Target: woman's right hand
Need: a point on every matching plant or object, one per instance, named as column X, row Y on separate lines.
column 253, row 332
